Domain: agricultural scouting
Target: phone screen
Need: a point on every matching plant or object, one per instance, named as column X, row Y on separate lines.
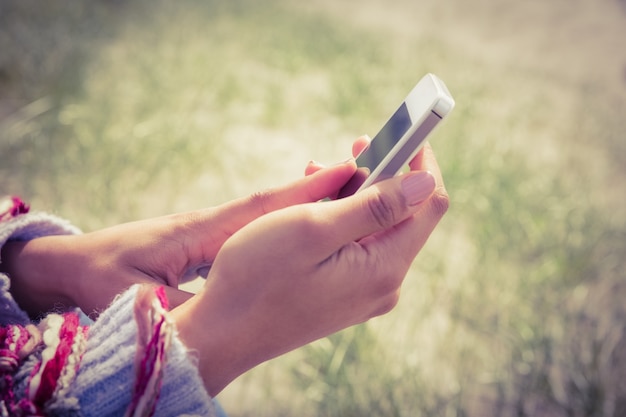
column 378, row 148
column 386, row 139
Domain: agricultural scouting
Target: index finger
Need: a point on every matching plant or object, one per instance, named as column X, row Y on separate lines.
column 425, row 161
column 212, row 226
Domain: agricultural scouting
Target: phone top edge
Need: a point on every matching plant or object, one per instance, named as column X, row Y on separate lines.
column 429, row 94
column 446, row 101
column 425, row 106
column 443, row 106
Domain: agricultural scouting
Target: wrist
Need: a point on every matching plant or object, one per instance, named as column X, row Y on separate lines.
column 217, row 341
column 226, row 338
column 39, row 271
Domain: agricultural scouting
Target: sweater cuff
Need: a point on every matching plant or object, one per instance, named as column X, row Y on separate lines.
column 134, row 357
column 32, row 225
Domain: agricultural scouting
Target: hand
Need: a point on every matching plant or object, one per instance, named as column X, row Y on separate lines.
column 89, row 270
column 305, row 271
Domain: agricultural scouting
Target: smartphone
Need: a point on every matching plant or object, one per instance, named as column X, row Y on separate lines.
column 404, row 134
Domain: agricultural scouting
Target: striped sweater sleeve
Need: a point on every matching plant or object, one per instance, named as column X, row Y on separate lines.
column 130, row 362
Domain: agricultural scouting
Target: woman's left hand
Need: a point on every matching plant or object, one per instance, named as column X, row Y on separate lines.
column 89, row 270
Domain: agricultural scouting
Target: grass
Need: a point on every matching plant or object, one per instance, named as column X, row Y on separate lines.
column 121, row 110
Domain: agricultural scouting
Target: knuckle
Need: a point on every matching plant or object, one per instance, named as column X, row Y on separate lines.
column 261, row 200
column 307, row 224
column 386, row 287
column 387, row 303
column 186, row 219
column 382, row 210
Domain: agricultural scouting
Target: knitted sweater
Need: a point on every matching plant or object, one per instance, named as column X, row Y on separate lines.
column 130, row 362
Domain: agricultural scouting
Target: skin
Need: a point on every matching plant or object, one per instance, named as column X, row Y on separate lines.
column 286, row 269
column 89, row 270
column 306, row 271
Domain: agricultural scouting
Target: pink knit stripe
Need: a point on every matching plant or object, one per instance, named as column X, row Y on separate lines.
column 162, row 297
column 55, row 365
column 11, row 207
column 16, row 343
column 153, row 339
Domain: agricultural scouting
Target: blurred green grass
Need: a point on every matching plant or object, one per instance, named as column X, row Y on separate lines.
column 117, row 110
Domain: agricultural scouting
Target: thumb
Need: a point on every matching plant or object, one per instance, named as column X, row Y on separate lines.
column 380, row 206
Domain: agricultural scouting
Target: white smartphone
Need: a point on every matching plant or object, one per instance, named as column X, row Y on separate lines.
column 403, row 135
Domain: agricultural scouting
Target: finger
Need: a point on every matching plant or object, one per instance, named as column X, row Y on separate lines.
column 407, row 238
column 312, row 167
column 225, row 220
column 376, row 208
column 314, row 187
column 360, row 144
column 424, row 157
column 425, row 161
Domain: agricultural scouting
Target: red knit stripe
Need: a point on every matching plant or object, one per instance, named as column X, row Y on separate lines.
column 54, row 366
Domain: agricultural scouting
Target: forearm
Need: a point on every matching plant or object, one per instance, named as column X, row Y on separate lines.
column 17, row 253
column 39, row 278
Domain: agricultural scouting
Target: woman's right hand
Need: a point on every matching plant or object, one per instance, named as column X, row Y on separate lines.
column 305, row 271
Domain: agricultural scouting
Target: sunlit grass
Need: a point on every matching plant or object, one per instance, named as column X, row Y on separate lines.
column 514, row 304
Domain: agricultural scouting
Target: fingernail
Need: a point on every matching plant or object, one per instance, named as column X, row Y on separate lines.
column 417, row 187
column 346, row 162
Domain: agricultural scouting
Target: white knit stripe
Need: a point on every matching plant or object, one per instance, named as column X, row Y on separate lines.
column 16, row 332
column 71, row 365
column 50, row 328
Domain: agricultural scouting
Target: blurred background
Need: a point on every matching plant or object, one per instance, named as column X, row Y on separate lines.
column 116, row 110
